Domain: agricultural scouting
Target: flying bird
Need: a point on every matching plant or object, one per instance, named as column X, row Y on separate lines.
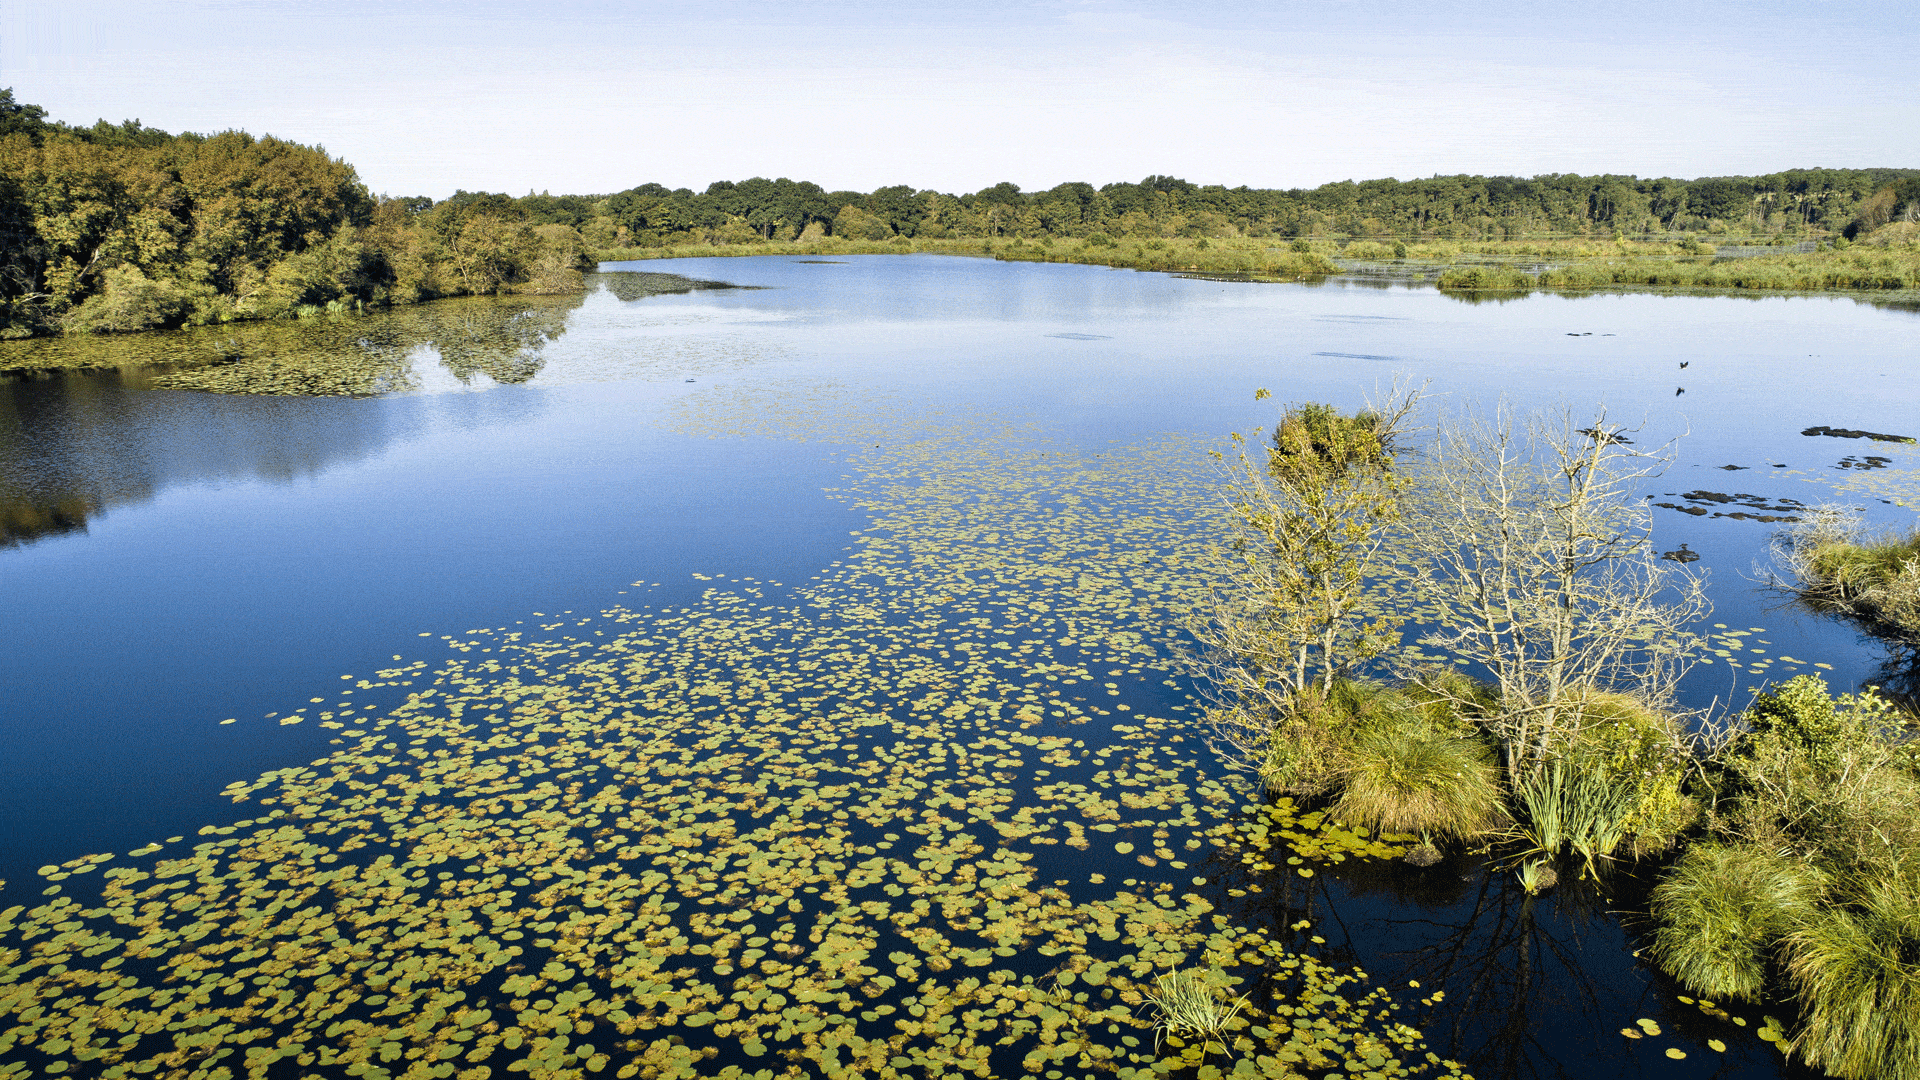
column 1684, row 363
column 1680, row 391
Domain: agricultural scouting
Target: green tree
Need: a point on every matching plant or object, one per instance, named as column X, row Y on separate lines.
column 1312, row 511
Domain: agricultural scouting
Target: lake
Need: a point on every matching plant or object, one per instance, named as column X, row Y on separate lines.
column 608, row 649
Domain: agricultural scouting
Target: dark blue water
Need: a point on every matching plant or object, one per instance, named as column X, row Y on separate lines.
column 226, row 557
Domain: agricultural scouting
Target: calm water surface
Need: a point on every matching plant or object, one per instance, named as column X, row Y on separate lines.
column 179, row 558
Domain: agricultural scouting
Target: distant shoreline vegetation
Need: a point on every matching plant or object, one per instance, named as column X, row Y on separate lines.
column 118, row 228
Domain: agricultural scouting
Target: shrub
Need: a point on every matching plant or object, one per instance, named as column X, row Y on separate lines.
column 1641, row 751
column 1473, row 278
column 129, row 300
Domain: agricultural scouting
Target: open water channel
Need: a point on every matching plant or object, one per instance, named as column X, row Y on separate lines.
column 724, row 681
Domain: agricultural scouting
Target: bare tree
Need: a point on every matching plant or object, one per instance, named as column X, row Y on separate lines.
column 1528, row 550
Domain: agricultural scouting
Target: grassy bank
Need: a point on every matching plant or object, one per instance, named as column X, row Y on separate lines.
column 1875, row 580
column 1253, row 259
column 1858, row 268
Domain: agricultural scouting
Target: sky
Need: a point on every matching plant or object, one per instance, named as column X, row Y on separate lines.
column 595, row 96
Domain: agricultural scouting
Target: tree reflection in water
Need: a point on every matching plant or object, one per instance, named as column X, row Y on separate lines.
column 1530, row 988
column 80, row 430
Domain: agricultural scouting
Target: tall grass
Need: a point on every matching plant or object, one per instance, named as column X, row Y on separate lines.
column 1875, row 578
column 1568, row 806
column 1813, row 872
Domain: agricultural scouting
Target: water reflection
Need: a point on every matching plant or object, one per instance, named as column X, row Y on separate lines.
column 353, row 355
column 75, row 444
column 76, row 441
column 1511, row 985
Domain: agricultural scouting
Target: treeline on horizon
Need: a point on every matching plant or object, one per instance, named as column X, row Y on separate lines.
column 1809, row 202
column 121, row 227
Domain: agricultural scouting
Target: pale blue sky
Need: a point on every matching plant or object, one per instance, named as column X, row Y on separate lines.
column 589, row 96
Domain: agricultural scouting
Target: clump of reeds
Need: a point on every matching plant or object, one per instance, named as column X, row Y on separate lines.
column 1568, row 806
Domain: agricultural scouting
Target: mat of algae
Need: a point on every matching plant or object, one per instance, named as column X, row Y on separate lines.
column 934, row 812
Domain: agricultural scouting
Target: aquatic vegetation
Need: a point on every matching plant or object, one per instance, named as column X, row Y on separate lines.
column 1187, row 1007
column 1537, row 876
column 1835, row 567
column 1566, row 805
column 1855, row 970
column 1809, row 872
column 859, row 826
column 1484, row 278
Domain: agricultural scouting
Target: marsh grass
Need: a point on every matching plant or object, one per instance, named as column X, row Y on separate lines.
column 1567, row 806
column 1810, row 873
column 1858, row 972
column 1537, row 876
column 1398, row 763
column 1875, row 579
column 1406, row 778
column 1722, row 909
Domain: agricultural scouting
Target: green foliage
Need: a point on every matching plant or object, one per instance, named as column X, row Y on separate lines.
column 1313, row 517
column 128, row 300
column 1393, row 768
column 1802, row 714
column 1811, row 866
column 1723, row 910
column 1640, row 751
column 123, row 227
column 1569, row 806
column 1484, row 278
column 1316, row 445
column 1187, row 1007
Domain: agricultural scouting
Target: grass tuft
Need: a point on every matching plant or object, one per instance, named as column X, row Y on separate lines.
column 1188, row 1008
column 1408, row 779
column 1858, row 973
column 1721, row 908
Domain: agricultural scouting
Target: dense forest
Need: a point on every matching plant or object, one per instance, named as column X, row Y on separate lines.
column 119, row 227
column 1807, row 202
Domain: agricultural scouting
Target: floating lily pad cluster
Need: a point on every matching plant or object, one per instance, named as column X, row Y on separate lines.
column 1897, row 481
column 863, row 826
